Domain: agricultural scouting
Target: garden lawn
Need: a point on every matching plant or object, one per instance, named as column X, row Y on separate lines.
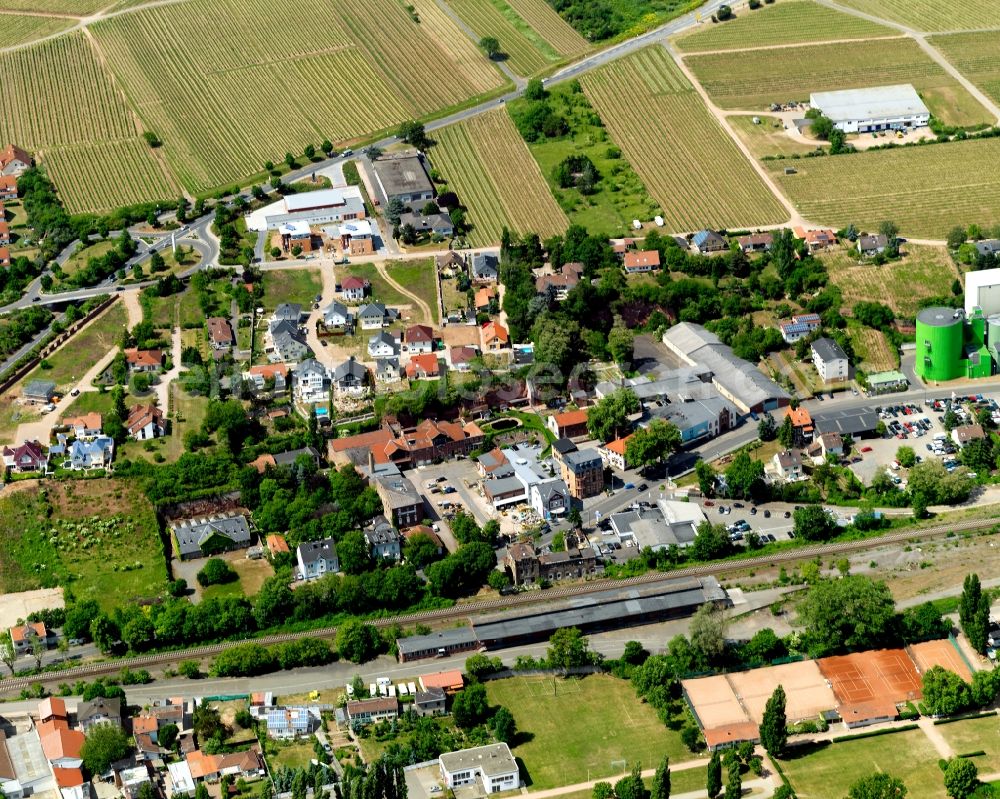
column 292, row 285
column 582, row 729
column 831, row 770
column 975, row 735
column 420, row 277
column 252, row 575
column 75, row 358
column 381, row 291
column 294, row 754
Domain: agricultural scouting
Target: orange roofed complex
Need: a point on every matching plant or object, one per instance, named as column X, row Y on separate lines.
column 802, row 426
column 429, row 441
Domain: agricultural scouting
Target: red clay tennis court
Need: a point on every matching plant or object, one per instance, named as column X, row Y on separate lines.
column 940, row 653
column 869, row 685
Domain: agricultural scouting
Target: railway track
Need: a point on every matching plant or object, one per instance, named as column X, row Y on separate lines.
column 469, row 609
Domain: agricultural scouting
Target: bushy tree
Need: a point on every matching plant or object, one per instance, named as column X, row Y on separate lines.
column 852, row 612
column 470, row 706
column 961, row 778
column 813, row 523
column 503, row 726
column 713, row 780
column 744, row 476
column 568, row 648
column 357, row 642
column 652, row 444
column 608, row 419
column 104, row 745
column 945, row 692
column 773, row 725
column 879, row 785
column 708, row 631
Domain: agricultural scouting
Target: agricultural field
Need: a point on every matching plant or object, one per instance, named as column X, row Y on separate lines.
column 53, row 537
column 17, row 29
column 291, row 285
column 754, row 79
column 618, row 728
column 618, row 196
column 688, row 163
column 975, row 55
column 487, row 163
column 932, row 189
column 872, row 348
column 56, row 93
column 550, row 26
column 69, row 8
column 526, row 52
column 75, row 358
column 104, row 175
column 930, row 15
column 923, row 271
column 830, row 770
column 792, row 22
column 370, row 56
column 768, row 138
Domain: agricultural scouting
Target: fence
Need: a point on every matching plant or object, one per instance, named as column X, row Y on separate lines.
column 572, row 671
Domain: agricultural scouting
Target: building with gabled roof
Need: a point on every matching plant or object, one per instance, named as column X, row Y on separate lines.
column 145, row 422
column 201, row 537
column 14, row 161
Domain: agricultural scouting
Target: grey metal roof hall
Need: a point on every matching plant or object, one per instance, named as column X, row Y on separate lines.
column 452, row 637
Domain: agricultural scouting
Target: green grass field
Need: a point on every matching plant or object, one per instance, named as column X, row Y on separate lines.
column 975, row 735
column 611, row 726
column 688, row 163
column 420, row 277
column 75, row 358
column 79, row 259
column 782, row 23
column 292, row 285
column 527, row 52
column 369, row 56
column 102, row 539
column 487, row 163
column 767, row 138
column 381, row 291
column 753, row 79
column 830, row 771
column 20, row 29
column 925, row 190
column 619, row 195
column 976, row 56
column 930, row 15
column 924, row 271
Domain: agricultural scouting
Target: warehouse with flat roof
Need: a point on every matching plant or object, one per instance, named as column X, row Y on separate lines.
column 877, row 108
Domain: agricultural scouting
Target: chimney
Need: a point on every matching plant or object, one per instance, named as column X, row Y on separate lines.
column 371, row 463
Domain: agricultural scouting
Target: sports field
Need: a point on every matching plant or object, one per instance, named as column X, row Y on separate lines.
column 868, row 685
column 18, row 29
column 487, row 163
column 942, row 652
column 782, row 23
column 526, row 51
column 925, row 190
column 687, row 162
column 931, row 15
column 754, row 79
column 976, row 56
column 582, row 728
column 976, row 735
column 829, row 771
column 923, row 271
column 212, row 78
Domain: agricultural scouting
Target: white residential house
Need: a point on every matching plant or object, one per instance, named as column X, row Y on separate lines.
column 316, row 558
column 383, row 345
column 310, row 382
column 387, row 370
column 549, row 498
column 830, row 360
column 493, row 764
column 337, row 317
column 383, row 539
column 374, row 316
column 788, row 465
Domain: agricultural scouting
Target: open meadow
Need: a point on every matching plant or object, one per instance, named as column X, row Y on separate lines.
column 926, row 190
column 487, row 163
column 292, row 285
column 923, row 271
column 830, row 770
column 526, row 52
column 767, row 138
column 931, row 15
column 381, row 290
column 238, row 58
column 754, row 79
column 782, row 23
column 612, row 727
column 976, row 56
column 104, row 540
column 872, row 348
column 420, row 277
column 976, row 735
column 688, row 163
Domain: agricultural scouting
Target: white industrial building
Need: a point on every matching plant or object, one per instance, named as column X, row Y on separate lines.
column 877, row 108
column 982, row 290
column 321, row 207
column 493, row 766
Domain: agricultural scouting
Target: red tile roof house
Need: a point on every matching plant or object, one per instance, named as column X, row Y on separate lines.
column 8, row 187
column 145, row 422
column 4, row 229
column 89, row 425
column 418, row 338
column 4, row 256
column 569, row 424
column 462, row 357
column 424, row 366
column 495, row 337
column 354, row 289
column 14, row 161
column 24, row 635
column 220, row 333
column 637, row 261
column 144, row 360
column 29, row 457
